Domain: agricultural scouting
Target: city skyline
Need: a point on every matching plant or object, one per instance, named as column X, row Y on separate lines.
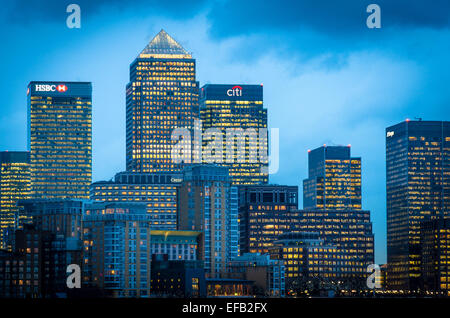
column 345, row 66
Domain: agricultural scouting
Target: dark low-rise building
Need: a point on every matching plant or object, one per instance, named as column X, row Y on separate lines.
column 268, row 274
column 177, row 278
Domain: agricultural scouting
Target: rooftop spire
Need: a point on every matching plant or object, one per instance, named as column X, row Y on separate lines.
column 163, row 44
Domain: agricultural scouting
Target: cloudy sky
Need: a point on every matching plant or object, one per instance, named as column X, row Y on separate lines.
column 328, row 79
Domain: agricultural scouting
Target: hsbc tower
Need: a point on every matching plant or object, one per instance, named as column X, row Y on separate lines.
column 60, row 139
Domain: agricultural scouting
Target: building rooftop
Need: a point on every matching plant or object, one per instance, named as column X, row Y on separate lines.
column 163, row 44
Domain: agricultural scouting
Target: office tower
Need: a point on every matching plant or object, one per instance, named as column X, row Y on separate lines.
column 162, row 95
column 307, row 257
column 158, row 191
column 14, row 186
column 332, row 207
column 334, row 179
column 348, row 230
column 435, row 256
column 417, row 190
column 239, row 108
column 177, row 245
column 116, row 256
column 60, row 139
column 265, row 211
column 268, row 274
column 207, row 202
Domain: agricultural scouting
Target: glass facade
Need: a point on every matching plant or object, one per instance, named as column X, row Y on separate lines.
column 14, row 185
column 265, row 212
column 435, row 245
column 334, row 179
column 226, row 107
column 417, row 190
column 158, row 191
column 60, row 139
column 162, row 95
column 306, row 256
column 350, row 231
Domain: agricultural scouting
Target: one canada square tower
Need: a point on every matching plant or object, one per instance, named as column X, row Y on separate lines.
column 162, row 95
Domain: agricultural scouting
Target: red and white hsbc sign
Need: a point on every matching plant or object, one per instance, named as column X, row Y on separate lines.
column 50, row 88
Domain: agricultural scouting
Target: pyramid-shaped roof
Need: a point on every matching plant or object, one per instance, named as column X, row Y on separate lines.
column 164, row 44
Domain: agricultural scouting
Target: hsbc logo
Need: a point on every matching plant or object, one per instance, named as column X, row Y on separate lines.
column 50, row 88
column 235, row 91
column 61, row 88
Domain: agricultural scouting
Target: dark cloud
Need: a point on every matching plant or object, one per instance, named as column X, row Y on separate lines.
column 332, row 17
column 24, row 11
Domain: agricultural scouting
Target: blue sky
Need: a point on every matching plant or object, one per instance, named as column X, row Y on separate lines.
column 327, row 77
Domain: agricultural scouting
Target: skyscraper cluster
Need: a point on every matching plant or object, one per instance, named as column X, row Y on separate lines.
column 194, row 213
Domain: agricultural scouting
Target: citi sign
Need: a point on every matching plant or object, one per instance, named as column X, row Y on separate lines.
column 235, row 91
column 50, row 88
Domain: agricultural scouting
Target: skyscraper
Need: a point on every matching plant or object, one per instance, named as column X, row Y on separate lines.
column 334, row 179
column 162, row 95
column 60, row 139
column 238, row 109
column 332, row 207
column 207, row 202
column 14, row 186
column 417, row 190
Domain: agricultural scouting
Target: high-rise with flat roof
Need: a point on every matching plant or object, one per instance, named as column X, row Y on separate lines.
column 117, row 248
column 14, row 185
column 162, row 95
column 332, row 207
column 208, row 202
column 236, row 111
column 60, row 139
column 334, row 179
column 417, row 190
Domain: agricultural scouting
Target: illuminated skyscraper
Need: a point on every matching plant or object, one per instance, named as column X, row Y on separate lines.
column 227, row 107
column 162, row 95
column 417, row 190
column 334, row 180
column 332, row 207
column 14, row 186
column 60, row 139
